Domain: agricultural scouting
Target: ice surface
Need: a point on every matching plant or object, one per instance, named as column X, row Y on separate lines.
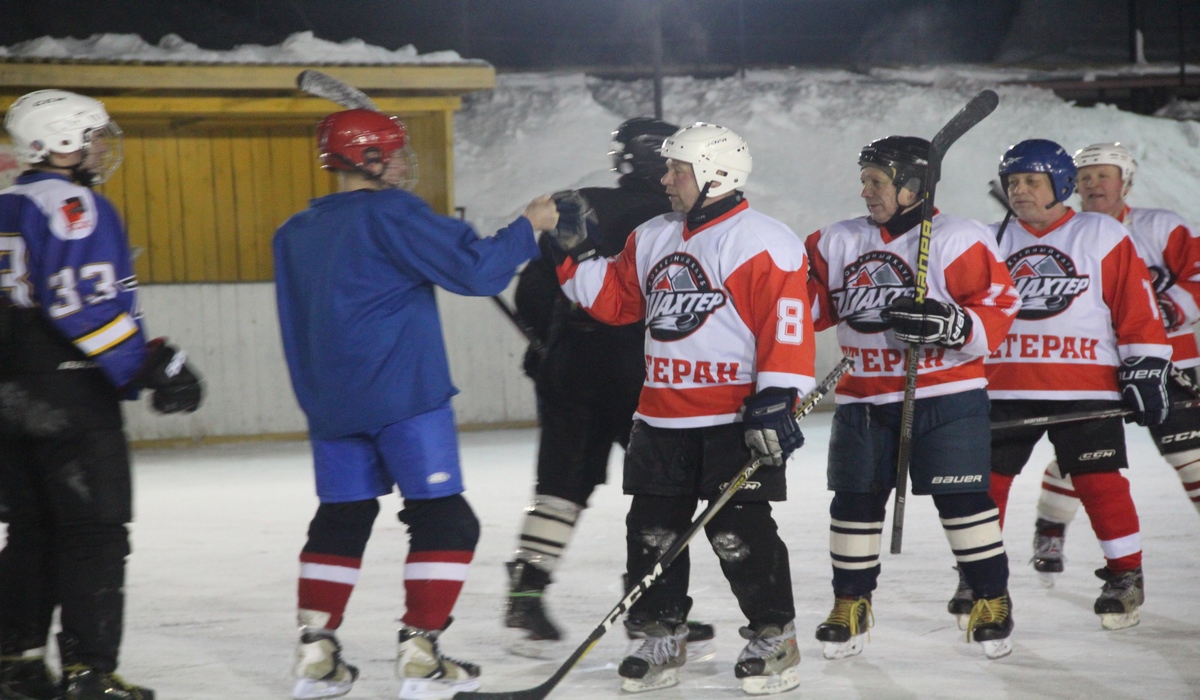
column 212, row 584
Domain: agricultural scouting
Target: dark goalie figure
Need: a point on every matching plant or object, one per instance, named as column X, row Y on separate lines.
column 582, row 413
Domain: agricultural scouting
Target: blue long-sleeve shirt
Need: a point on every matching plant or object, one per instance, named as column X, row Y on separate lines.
column 354, row 280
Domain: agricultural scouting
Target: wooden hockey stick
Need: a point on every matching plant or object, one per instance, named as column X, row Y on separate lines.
column 660, row 565
column 1039, row 421
column 974, row 112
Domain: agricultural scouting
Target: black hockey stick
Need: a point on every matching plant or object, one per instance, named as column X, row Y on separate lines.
column 318, row 84
column 974, row 112
column 998, row 194
column 1081, row 416
column 640, row 586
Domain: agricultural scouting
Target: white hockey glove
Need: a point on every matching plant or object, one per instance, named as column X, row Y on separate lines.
column 772, row 433
column 937, row 323
column 578, row 230
column 1143, row 382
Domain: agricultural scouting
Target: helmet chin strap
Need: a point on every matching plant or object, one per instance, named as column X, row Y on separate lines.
column 363, row 171
column 700, row 200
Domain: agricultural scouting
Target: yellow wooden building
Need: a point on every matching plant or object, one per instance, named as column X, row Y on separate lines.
column 218, row 155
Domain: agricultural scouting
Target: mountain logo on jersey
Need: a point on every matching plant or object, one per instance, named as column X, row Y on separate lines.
column 870, row 284
column 679, row 297
column 1046, row 280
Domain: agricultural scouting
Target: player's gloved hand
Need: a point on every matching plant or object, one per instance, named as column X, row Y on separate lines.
column 1143, row 382
column 770, row 423
column 175, row 386
column 1172, row 317
column 532, row 362
column 578, row 231
column 937, row 323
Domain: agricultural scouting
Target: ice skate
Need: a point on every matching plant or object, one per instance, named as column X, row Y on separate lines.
column 770, row 662
column 26, row 678
column 962, row 602
column 1048, row 559
column 426, row 673
column 1119, row 600
column 320, row 670
column 845, row 631
column 990, row 624
column 532, row 633
column 701, row 640
column 81, row 682
column 655, row 663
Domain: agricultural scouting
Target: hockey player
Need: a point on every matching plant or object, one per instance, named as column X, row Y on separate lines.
column 728, row 350
column 72, row 346
column 1171, row 250
column 1089, row 334
column 862, row 282
column 582, row 413
column 355, row 274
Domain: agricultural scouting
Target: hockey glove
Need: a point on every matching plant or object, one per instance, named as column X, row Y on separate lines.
column 937, row 323
column 1143, row 382
column 770, row 423
column 534, row 355
column 578, row 230
column 175, row 387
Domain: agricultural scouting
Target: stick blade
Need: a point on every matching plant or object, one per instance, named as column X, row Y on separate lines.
column 975, row 111
column 318, row 84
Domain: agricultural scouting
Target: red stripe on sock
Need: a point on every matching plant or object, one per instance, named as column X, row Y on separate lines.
column 329, row 559
column 450, row 556
column 1001, row 484
column 325, row 596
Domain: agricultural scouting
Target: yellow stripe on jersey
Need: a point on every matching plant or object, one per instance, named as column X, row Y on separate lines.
column 111, row 335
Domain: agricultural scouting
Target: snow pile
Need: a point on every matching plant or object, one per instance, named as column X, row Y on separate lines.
column 537, row 133
column 299, row 48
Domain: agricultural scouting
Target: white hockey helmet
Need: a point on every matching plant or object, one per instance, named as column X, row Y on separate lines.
column 1108, row 154
column 57, row 121
column 716, row 154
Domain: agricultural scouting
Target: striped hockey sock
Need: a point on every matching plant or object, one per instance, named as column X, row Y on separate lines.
column 432, row 582
column 1105, row 497
column 326, row 582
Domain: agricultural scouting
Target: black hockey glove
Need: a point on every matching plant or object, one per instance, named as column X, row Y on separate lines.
column 534, row 355
column 166, row 373
column 938, row 323
column 1143, row 382
column 770, row 422
column 578, row 230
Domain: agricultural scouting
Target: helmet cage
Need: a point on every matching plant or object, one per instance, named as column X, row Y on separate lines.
column 716, row 154
column 57, row 121
column 1041, row 156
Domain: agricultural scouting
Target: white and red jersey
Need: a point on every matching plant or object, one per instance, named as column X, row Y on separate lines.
column 1086, row 304
column 725, row 306
column 859, row 268
column 1171, row 250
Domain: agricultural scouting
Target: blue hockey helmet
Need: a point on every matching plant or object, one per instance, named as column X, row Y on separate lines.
column 1041, row 156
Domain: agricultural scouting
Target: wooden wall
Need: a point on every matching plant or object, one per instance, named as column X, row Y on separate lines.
column 202, row 197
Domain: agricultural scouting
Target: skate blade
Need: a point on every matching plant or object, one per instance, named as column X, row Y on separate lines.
column 769, row 685
column 963, row 622
column 701, row 650
column 843, row 650
column 1120, row 621
column 664, row 679
column 309, row 689
column 1048, row 578
column 997, row 648
column 435, row 689
column 543, row 649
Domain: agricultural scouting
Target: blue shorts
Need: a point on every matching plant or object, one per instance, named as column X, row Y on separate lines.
column 951, row 446
column 418, row 454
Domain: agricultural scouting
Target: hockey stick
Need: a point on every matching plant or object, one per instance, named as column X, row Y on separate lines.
column 660, row 565
column 1081, row 416
column 974, row 112
column 1182, row 379
column 318, row 84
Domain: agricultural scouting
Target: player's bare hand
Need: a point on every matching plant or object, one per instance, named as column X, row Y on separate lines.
column 542, row 213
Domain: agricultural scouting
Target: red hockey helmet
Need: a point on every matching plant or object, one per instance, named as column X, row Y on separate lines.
column 349, row 140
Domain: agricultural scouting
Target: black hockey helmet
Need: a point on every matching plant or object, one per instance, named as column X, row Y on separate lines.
column 637, row 145
column 904, row 158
